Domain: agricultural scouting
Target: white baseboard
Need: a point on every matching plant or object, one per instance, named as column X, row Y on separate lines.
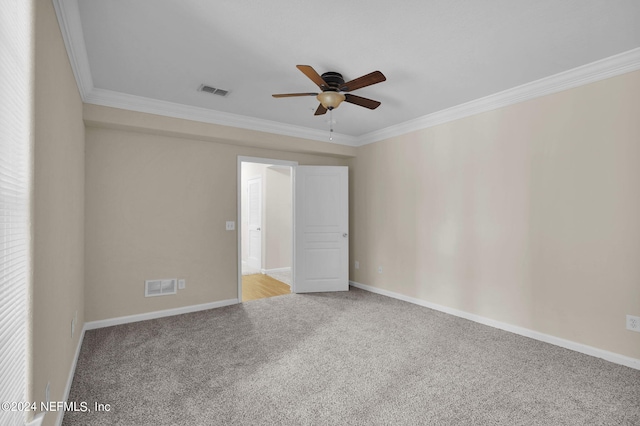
column 37, row 420
column 272, row 270
column 547, row 338
column 72, row 372
column 92, row 325
column 276, row 270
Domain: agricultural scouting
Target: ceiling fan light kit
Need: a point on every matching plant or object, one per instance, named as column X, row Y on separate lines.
column 335, row 90
column 330, row 100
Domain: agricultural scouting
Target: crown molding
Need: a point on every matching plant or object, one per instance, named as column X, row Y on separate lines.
column 68, row 14
column 120, row 100
column 590, row 73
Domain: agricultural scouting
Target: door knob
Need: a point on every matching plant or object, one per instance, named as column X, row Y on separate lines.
column 257, row 229
column 344, row 235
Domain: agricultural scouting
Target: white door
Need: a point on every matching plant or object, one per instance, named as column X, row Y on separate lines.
column 321, row 227
column 254, row 201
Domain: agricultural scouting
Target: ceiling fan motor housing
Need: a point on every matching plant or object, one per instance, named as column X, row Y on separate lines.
column 334, row 80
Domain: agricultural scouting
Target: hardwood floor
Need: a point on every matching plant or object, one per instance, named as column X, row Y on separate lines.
column 258, row 286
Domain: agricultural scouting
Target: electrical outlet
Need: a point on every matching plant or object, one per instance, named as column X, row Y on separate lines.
column 357, row 264
column 633, row 323
column 182, row 284
column 379, row 269
column 231, row 225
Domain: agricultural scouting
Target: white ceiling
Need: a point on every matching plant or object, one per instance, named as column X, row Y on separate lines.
column 436, row 54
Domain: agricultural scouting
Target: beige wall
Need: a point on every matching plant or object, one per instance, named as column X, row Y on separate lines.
column 156, row 207
column 58, row 216
column 526, row 215
column 100, row 116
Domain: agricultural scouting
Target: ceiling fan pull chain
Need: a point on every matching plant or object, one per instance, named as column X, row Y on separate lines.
column 331, row 124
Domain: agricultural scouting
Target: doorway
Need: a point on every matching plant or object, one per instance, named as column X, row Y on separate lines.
column 265, row 231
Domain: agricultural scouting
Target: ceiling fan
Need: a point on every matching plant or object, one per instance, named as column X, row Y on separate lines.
column 335, row 90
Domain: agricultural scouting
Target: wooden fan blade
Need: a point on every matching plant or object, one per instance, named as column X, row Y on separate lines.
column 289, row 95
column 321, row 110
column 313, row 75
column 363, row 102
column 364, row 81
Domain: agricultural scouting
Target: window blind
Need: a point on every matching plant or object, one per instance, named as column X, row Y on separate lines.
column 16, row 99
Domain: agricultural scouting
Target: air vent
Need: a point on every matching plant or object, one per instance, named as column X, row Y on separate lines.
column 160, row 287
column 213, row 90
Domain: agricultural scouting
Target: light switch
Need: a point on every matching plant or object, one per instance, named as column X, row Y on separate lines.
column 231, row 225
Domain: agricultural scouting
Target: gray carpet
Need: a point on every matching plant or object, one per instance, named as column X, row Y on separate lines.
column 353, row 358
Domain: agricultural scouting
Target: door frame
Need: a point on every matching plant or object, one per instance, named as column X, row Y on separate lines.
column 270, row 161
